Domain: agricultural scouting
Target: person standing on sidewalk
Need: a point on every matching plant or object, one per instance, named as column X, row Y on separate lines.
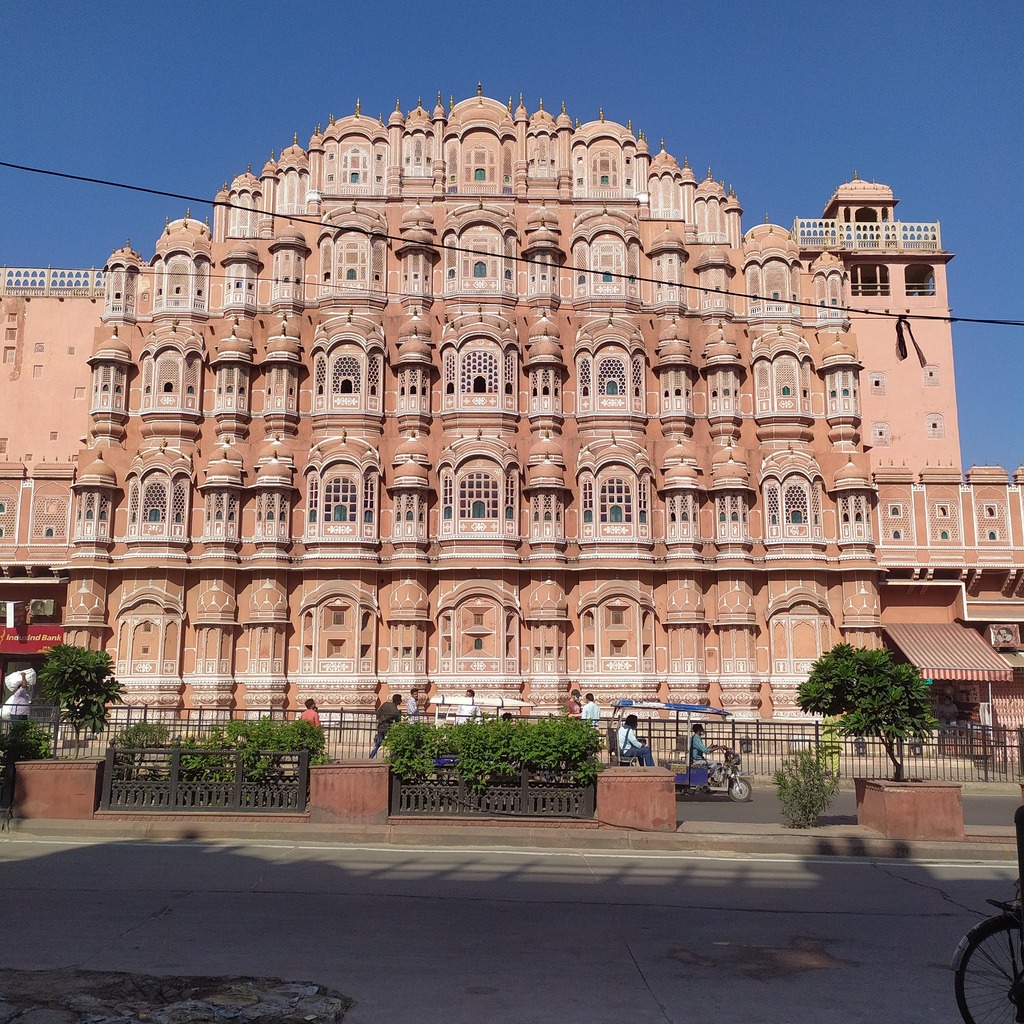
column 387, row 715
column 412, row 705
column 16, row 707
column 591, row 712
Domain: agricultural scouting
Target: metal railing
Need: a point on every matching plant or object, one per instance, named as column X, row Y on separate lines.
column 964, row 753
column 145, row 779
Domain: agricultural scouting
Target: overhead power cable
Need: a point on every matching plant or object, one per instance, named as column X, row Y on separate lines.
column 447, row 247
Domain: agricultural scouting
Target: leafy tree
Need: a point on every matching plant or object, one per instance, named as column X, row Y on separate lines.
column 874, row 695
column 81, row 683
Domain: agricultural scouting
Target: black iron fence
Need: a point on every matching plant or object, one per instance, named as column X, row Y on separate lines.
column 531, row 795
column 964, row 753
column 177, row 779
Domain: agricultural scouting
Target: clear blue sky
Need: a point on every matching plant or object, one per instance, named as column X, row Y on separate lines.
column 782, row 100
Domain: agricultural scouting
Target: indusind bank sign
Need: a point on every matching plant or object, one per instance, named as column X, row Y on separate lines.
column 30, row 639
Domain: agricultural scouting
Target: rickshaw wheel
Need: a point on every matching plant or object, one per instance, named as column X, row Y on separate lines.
column 740, row 791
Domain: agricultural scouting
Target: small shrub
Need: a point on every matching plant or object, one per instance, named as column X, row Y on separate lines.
column 806, row 789
column 143, row 734
column 23, row 741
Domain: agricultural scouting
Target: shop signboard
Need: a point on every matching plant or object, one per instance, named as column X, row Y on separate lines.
column 31, row 638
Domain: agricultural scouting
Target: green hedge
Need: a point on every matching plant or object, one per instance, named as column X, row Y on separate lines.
column 494, row 751
column 254, row 739
column 23, row 741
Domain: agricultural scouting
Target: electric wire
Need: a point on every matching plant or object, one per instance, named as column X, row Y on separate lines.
column 448, row 247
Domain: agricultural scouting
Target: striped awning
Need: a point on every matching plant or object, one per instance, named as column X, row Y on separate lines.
column 950, row 651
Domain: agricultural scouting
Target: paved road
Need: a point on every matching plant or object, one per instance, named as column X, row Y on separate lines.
column 505, row 936
column 984, row 804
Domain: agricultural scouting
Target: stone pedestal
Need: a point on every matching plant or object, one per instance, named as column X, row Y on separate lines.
column 58, row 789
column 641, row 798
column 911, row 810
column 349, row 793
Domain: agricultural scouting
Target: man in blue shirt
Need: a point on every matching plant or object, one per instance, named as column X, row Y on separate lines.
column 700, row 754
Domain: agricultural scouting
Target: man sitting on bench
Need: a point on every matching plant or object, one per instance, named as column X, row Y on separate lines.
column 630, row 746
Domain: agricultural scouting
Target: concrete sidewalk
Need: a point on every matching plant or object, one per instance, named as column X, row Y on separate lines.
column 983, row 842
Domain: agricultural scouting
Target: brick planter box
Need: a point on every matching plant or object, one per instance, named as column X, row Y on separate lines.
column 641, row 798
column 58, row 789
column 911, row 810
column 348, row 793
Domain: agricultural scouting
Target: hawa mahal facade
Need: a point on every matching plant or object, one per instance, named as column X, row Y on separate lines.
column 479, row 396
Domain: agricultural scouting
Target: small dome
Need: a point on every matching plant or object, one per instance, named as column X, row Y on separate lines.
column 418, row 116
column 245, row 182
column 541, row 118
column 236, row 345
column 125, row 255
column 396, row 118
column 98, row 473
column 547, row 449
column 666, row 240
column 770, row 238
column 112, row 348
column 294, row 156
column 242, row 252
column 728, row 470
column 664, row 162
column 284, row 345
column 709, row 187
column 408, row 598
column 851, row 476
column 412, row 448
column 563, row 120
column 269, row 168
column 542, row 327
column 686, row 173
column 224, row 472
column 187, row 233
column 718, row 348
column 546, row 350
column 713, row 256
column 411, row 474
column 673, row 343
column 841, row 349
column 275, row 473
column 548, row 601
column 521, row 113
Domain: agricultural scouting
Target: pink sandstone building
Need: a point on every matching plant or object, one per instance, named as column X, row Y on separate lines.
column 484, row 396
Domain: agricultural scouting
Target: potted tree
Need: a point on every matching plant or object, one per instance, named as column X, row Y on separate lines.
column 874, row 696
column 80, row 682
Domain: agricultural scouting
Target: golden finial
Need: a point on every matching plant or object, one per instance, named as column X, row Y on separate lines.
column 419, row 102
column 359, row 108
column 577, row 122
column 128, row 242
column 206, row 220
column 398, row 105
column 481, row 203
column 248, row 168
column 686, row 162
column 439, row 97
column 856, row 176
column 600, row 114
column 330, row 120
column 510, row 104
column 521, row 101
column 614, row 442
column 344, row 436
column 115, row 330
column 272, row 158
column 480, row 89
column 541, row 102
column 766, row 220
column 317, row 130
column 709, row 175
column 479, row 433
column 451, row 103
column 732, row 192
column 174, row 326
column 163, row 444
column 663, row 144
column 380, row 117
column 188, row 213
column 563, row 106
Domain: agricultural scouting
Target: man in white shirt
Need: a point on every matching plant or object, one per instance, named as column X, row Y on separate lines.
column 412, row 705
column 16, row 706
column 467, row 710
column 630, row 745
column 591, row 712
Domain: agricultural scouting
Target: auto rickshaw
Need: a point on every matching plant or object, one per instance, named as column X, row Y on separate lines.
column 702, row 778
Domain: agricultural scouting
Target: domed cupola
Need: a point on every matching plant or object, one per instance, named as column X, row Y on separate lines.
column 121, row 284
column 417, row 254
column 410, row 491
column 94, row 491
column 232, row 363
column 111, row 362
column 280, row 367
column 545, row 490
column 730, row 483
column 681, row 493
column 181, row 269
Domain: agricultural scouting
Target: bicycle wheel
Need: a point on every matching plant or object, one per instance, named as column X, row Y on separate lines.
column 989, row 965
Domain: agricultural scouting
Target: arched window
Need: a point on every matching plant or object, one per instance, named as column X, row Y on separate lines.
column 340, row 499
column 479, row 269
column 479, row 372
column 616, row 501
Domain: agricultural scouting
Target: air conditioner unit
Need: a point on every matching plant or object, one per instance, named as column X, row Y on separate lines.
column 41, row 608
column 1005, row 635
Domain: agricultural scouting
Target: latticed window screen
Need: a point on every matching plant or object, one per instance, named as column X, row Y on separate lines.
column 449, row 372
column 346, row 376
column 154, row 502
column 638, row 378
column 616, row 500
column 896, row 522
column 991, row 518
column 179, row 502
column 642, row 500
column 313, row 498
column 934, row 425
column 585, row 377
column 762, row 385
column 944, row 521
column 447, row 494
column 816, row 508
column 611, row 376
column 373, row 374
column 510, row 372
column 479, row 372
column 49, row 518
column 177, row 279
column 369, row 497
column 587, row 500
column 352, row 261
column 510, row 495
column 192, row 365
column 606, row 258
column 785, row 383
column 320, row 378
column 797, row 513
column 478, row 496
column 340, row 500
column 772, row 509
column 133, row 506
column 168, row 373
